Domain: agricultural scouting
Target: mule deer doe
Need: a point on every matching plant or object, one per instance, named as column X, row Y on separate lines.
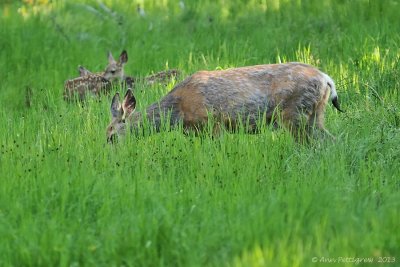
column 96, row 83
column 294, row 94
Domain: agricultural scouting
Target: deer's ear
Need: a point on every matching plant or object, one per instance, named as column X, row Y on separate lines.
column 129, row 82
column 111, row 59
column 129, row 103
column 116, row 110
column 83, row 71
column 123, row 58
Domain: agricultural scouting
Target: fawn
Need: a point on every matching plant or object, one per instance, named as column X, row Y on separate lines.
column 162, row 77
column 293, row 94
column 96, row 83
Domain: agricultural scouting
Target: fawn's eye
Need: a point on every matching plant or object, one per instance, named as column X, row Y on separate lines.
column 113, row 72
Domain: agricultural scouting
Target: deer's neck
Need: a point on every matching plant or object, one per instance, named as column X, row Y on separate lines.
column 158, row 114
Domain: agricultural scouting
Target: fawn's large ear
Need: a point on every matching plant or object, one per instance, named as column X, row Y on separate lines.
column 129, row 103
column 111, row 59
column 83, row 71
column 123, row 58
column 116, row 110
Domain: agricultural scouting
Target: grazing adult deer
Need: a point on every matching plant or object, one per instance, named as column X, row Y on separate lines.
column 96, row 83
column 293, row 94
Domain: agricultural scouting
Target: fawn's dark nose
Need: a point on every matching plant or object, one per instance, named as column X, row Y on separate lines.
column 112, row 139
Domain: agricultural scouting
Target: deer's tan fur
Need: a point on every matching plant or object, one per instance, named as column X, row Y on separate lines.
column 294, row 94
column 96, row 83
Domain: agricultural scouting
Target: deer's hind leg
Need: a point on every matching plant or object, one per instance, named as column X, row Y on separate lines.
column 297, row 124
column 316, row 127
column 316, row 120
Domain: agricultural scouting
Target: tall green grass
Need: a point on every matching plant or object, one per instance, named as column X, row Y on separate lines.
column 169, row 199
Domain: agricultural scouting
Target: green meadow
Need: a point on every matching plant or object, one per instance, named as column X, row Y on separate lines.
column 67, row 198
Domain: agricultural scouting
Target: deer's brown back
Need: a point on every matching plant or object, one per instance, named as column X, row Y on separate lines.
column 248, row 91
